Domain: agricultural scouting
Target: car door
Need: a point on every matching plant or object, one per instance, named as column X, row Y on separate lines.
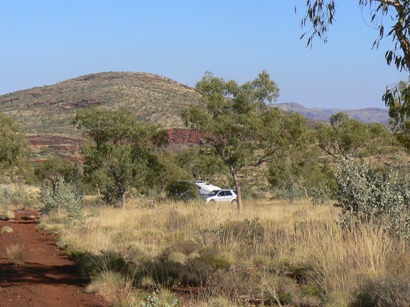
column 220, row 196
column 228, row 197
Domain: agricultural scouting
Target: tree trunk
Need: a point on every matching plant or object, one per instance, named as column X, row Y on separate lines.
column 98, row 191
column 238, row 190
column 123, row 200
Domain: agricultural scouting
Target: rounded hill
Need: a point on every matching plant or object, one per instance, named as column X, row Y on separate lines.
column 51, row 109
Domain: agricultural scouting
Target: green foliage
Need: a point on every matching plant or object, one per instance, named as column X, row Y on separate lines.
column 397, row 98
column 119, row 154
column 203, row 164
column 13, row 144
column 376, row 199
column 182, row 190
column 62, row 198
column 9, row 195
column 239, row 127
column 170, row 170
column 346, row 136
column 320, row 14
column 298, row 173
column 54, row 168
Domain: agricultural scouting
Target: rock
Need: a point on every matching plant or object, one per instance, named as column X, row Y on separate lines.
column 6, row 215
column 6, row 229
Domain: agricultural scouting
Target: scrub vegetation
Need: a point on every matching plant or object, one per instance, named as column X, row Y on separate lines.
column 272, row 252
column 323, row 215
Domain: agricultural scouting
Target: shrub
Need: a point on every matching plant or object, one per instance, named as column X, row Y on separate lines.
column 290, row 190
column 186, row 263
column 64, row 197
column 8, row 195
column 368, row 197
column 320, row 193
column 383, row 292
column 182, row 190
column 89, row 263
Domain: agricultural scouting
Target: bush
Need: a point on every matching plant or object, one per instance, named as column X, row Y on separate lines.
column 376, row 199
column 63, row 198
column 182, row 190
column 383, row 292
column 9, row 196
column 186, row 263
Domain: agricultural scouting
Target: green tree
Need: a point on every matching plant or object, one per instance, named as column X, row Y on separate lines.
column 239, row 127
column 381, row 138
column 202, row 164
column 13, row 144
column 397, row 98
column 320, row 15
column 298, row 173
column 119, row 153
column 344, row 136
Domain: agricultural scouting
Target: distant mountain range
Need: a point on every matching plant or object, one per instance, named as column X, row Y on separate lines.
column 367, row 115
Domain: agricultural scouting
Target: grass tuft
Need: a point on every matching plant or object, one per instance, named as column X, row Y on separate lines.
column 113, row 286
column 15, row 252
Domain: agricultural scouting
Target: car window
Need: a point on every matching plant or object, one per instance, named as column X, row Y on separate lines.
column 228, row 193
column 221, row 194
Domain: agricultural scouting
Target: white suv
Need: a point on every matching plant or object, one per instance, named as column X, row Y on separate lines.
column 224, row 195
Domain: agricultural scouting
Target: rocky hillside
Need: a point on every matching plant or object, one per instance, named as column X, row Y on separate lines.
column 50, row 109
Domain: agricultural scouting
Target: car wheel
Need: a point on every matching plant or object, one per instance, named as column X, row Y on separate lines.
column 212, row 202
column 234, row 202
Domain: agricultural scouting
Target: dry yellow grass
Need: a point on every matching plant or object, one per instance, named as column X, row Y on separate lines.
column 295, row 237
column 15, row 252
column 111, row 285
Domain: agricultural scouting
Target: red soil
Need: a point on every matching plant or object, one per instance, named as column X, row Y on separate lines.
column 47, row 277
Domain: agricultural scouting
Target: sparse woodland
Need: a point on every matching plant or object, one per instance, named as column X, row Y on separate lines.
column 323, row 208
column 324, row 218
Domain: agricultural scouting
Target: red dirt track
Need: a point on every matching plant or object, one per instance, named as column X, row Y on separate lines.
column 47, row 277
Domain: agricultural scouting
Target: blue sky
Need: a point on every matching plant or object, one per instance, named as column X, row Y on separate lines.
column 48, row 41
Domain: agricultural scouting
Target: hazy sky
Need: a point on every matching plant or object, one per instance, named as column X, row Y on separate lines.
column 48, row 41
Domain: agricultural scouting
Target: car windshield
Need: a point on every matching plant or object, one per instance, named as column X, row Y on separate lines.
column 213, row 193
